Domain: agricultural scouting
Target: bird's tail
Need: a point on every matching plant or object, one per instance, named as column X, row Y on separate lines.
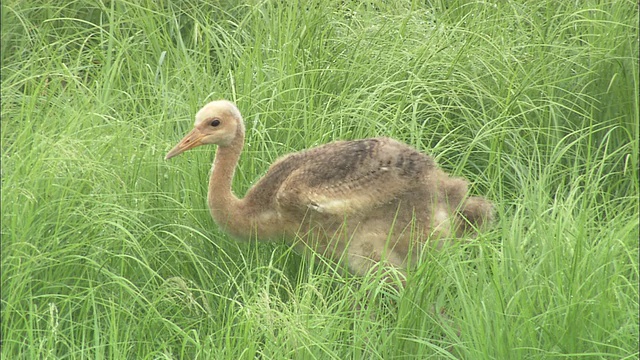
column 475, row 214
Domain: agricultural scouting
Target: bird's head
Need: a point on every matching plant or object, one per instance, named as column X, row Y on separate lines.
column 219, row 122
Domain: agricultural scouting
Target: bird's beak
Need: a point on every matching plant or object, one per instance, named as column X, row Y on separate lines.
column 193, row 139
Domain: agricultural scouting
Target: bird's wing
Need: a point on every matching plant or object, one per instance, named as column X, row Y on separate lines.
column 350, row 177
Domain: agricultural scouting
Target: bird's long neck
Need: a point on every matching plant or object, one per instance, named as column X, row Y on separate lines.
column 226, row 209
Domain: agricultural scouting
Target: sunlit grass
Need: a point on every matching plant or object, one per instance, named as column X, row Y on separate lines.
column 109, row 252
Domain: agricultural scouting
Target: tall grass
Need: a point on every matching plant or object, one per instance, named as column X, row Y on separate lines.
column 109, row 252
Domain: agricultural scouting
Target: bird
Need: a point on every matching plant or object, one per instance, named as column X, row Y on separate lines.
column 365, row 202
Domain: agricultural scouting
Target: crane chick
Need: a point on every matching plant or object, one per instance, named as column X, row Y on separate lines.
column 366, row 202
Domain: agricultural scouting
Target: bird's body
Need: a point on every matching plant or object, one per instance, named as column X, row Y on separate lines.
column 362, row 201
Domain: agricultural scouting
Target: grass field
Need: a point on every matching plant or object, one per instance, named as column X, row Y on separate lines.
column 108, row 251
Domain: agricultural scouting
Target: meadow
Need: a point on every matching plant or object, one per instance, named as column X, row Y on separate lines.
column 109, row 252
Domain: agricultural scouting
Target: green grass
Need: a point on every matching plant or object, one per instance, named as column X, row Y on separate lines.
column 108, row 251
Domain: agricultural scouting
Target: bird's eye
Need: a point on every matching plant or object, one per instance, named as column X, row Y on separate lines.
column 215, row 123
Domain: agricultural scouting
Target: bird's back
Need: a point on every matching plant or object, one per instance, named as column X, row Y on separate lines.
column 343, row 178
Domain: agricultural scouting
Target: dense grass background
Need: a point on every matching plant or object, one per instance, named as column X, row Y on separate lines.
column 108, row 251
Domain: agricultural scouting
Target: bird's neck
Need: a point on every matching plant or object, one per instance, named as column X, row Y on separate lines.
column 226, row 209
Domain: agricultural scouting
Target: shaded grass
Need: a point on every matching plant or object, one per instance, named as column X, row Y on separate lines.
column 108, row 251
